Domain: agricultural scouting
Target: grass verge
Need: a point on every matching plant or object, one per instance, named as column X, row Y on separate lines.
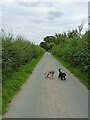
column 13, row 84
column 81, row 76
column 0, row 98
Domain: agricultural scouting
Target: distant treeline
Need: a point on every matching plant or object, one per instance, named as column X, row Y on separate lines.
column 70, row 47
column 17, row 52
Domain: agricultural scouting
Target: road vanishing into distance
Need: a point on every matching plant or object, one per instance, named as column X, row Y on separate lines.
column 50, row 98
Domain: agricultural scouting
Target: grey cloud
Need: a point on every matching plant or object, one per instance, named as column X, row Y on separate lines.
column 89, row 16
column 35, row 4
column 89, row 8
column 53, row 14
column 36, row 20
column 48, row 4
column 29, row 4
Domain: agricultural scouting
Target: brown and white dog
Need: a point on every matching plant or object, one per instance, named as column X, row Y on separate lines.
column 49, row 74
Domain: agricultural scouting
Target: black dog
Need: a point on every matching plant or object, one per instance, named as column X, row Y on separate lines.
column 61, row 75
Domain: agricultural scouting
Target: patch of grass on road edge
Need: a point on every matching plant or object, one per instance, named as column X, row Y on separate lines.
column 81, row 76
column 13, row 84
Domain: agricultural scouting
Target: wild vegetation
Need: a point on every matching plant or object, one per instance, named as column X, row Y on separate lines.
column 72, row 49
column 19, row 57
column 17, row 52
column 0, row 98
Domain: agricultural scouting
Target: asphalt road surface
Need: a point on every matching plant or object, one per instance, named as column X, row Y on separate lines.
column 50, row 98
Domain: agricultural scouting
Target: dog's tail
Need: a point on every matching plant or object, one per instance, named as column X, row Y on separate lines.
column 59, row 69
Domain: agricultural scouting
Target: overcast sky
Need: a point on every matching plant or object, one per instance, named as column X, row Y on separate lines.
column 35, row 20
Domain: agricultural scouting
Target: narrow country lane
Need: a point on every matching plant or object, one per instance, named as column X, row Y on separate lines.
column 50, row 98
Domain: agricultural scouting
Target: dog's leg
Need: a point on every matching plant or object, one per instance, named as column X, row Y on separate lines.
column 45, row 74
column 58, row 76
column 52, row 76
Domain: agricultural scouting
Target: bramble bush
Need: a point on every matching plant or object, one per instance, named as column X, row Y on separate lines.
column 19, row 57
column 17, row 52
column 75, row 51
column 70, row 47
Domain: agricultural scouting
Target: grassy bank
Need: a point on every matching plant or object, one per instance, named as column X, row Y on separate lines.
column 13, row 84
column 81, row 76
column 0, row 98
